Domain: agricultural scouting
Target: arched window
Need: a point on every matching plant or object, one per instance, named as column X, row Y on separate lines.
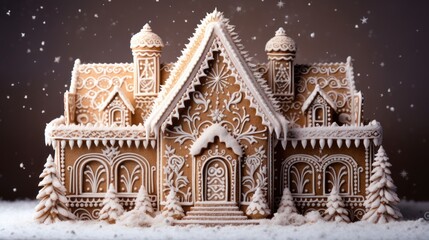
column 117, row 117
column 319, row 115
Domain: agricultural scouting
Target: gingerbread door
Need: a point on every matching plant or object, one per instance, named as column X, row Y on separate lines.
column 215, row 179
column 216, row 174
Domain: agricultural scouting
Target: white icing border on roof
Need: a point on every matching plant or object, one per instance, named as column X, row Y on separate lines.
column 214, row 24
column 121, row 95
column 310, row 99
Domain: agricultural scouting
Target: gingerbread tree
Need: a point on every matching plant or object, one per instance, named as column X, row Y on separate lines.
column 172, row 206
column 286, row 203
column 336, row 211
column 381, row 201
column 111, row 210
column 259, row 205
column 142, row 213
column 52, row 206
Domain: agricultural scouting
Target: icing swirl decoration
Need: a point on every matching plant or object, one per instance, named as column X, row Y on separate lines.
column 146, row 38
column 280, row 42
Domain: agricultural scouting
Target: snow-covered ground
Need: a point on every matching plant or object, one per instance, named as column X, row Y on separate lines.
column 16, row 222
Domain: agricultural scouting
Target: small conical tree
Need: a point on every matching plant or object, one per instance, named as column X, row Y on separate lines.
column 142, row 213
column 381, row 201
column 111, row 210
column 336, row 211
column 286, row 203
column 52, row 206
column 172, row 206
column 258, row 207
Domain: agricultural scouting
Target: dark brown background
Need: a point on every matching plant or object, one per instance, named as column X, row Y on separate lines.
column 390, row 52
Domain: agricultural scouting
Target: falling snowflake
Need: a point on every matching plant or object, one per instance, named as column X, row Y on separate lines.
column 404, row 174
column 57, row 59
column 96, row 15
column 364, row 20
column 253, row 38
column 280, row 4
column 382, row 64
column 238, row 9
column 22, row 34
column 312, row 35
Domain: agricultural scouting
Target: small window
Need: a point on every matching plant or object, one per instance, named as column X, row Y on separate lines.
column 117, row 117
column 319, row 116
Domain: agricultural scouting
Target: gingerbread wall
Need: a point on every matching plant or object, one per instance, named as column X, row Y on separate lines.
column 311, row 173
column 86, row 174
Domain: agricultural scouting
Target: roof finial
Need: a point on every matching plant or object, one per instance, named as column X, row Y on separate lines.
column 280, row 32
column 146, row 28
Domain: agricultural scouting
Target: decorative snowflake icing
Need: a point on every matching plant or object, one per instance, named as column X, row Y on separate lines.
column 111, row 152
column 217, row 115
column 217, row 79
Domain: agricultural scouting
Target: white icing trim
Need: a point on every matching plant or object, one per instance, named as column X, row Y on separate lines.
column 347, row 134
column 280, row 42
column 121, row 95
column 310, row 99
column 74, row 75
column 146, row 38
column 208, row 136
column 58, row 132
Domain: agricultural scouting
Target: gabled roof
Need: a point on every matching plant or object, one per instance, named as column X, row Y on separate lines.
column 186, row 73
column 208, row 136
column 310, row 99
column 112, row 94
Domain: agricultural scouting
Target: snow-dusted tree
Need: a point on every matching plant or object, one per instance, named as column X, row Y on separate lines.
column 286, row 203
column 142, row 213
column 258, row 207
column 111, row 208
column 52, row 206
column 336, row 211
column 382, row 199
column 287, row 214
column 172, row 206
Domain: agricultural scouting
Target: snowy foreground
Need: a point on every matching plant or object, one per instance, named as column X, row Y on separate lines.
column 16, row 222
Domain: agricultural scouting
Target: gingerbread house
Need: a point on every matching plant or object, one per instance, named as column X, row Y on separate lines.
column 213, row 127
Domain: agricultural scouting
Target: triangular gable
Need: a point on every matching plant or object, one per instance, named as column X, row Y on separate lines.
column 310, row 99
column 208, row 136
column 187, row 71
column 112, row 94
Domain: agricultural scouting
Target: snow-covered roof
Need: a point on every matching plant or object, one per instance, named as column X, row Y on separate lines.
column 208, row 136
column 146, row 39
column 280, row 42
column 310, row 99
column 57, row 132
column 112, row 94
column 334, row 134
column 181, row 81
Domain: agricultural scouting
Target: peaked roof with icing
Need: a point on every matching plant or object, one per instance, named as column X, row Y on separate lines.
column 310, row 99
column 186, row 68
column 121, row 94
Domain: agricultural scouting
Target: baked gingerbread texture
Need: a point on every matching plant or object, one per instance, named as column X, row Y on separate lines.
column 208, row 132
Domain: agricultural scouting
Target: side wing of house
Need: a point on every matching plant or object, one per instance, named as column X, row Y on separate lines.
column 328, row 144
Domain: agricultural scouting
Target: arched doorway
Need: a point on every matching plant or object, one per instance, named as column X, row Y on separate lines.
column 216, row 180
